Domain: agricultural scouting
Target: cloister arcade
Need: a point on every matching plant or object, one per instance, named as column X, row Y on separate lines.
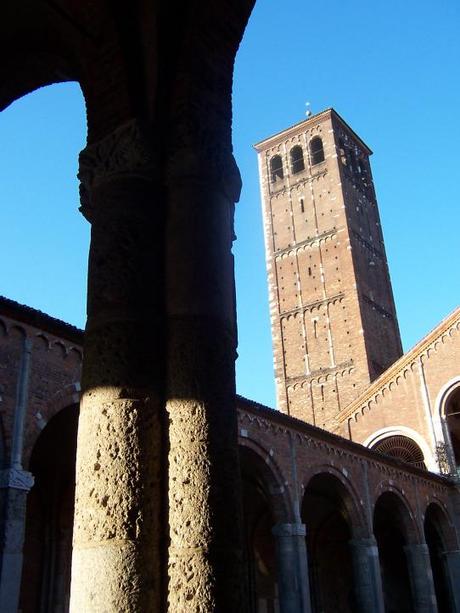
column 328, row 524
column 356, row 553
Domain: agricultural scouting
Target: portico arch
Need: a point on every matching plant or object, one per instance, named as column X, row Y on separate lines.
column 265, row 504
column 332, row 520
column 49, row 519
column 394, row 530
column 442, row 545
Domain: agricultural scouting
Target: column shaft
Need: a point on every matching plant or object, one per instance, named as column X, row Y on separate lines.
column 116, row 557
column 452, row 561
column 15, row 484
column 205, row 556
column 14, row 487
column 367, row 575
column 292, row 566
column 421, row 578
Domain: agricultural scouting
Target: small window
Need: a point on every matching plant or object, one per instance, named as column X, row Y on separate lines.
column 362, row 166
column 343, row 155
column 316, row 150
column 297, row 163
column 353, row 160
column 276, row 168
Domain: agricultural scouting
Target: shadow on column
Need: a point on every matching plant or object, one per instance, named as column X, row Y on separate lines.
column 45, row 583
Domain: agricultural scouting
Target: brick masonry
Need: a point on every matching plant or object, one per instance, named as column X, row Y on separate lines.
column 333, row 318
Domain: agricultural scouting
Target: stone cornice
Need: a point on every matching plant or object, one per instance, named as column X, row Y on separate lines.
column 305, row 243
column 282, row 423
column 389, row 376
column 310, row 122
column 274, row 193
column 312, row 305
column 320, row 372
column 37, row 319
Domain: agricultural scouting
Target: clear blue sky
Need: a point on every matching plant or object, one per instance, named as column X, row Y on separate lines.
column 390, row 69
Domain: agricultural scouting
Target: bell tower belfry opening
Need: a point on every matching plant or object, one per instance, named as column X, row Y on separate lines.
column 333, row 317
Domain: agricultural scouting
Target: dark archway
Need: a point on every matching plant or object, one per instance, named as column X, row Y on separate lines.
column 49, row 523
column 276, row 169
column 316, row 151
column 435, row 527
column 390, row 521
column 260, row 515
column 326, row 514
column 297, row 161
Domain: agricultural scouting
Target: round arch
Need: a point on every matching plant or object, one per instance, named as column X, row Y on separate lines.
column 447, row 420
column 351, row 499
column 49, row 519
column 394, row 530
column 265, row 504
column 440, row 538
column 435, row 511
column 257, row 463
column 332, row 520
column 61, row 400
column 402, row 510
column 383, row 433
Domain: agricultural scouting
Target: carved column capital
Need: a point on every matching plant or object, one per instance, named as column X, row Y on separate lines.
column 17, row 479
column 124, row 153
column 207, row 165
column 289, row 530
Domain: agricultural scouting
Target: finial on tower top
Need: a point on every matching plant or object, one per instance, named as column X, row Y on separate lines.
column 308, row 112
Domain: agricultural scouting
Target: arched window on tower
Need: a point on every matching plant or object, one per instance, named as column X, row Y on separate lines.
column 297, row 163
column 276, row 169
column 316, row 150
column 342, row 153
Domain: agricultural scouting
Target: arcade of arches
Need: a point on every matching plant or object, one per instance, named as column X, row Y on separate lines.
column 328, row 524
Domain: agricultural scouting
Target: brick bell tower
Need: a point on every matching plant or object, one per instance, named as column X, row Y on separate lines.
column 333, row 317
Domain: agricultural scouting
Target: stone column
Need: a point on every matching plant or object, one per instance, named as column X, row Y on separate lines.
column 421, row 578
column 206, row 555
column 115, row 564
column 367, row 575
column 452, row 562
column 14, row 486
column 292, row 566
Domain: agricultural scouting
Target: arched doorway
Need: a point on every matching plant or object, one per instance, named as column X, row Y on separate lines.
column 259, row 518
column 436, row 535
column 390, row 521
column 49, row 522
column 326, row 513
